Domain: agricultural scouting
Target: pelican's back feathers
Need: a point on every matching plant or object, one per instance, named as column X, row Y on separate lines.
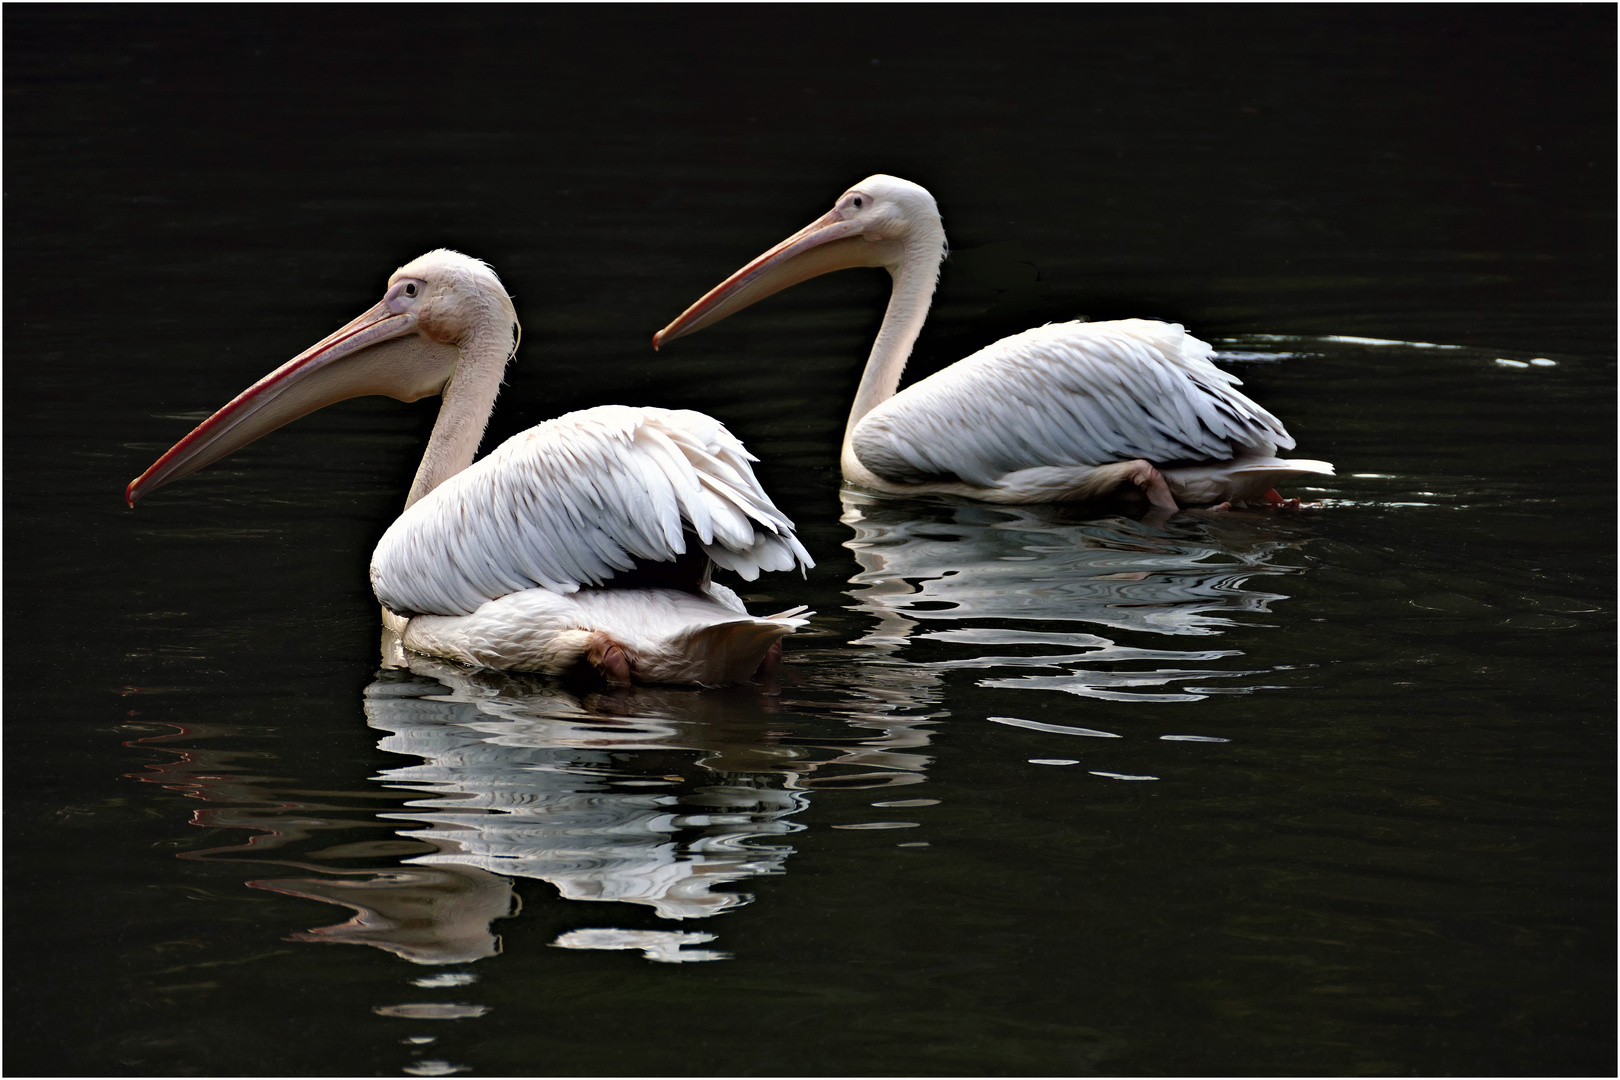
column 1072, row 393
column 573, row 501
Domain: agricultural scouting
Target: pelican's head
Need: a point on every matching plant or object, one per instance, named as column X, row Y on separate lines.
column 889, row 208
column 881, row 221
column 448, row 295
column 407, row 347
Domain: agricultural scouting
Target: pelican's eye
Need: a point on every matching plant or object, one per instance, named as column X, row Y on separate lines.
column 403, row 295
column 857, row 202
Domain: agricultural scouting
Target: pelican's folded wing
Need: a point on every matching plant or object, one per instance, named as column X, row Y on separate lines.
column 574, row 500
column 1072, row 393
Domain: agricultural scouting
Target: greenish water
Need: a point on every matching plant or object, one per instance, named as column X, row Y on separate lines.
column 1050, row 791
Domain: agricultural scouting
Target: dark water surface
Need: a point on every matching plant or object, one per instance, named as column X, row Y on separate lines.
column 1041, row 790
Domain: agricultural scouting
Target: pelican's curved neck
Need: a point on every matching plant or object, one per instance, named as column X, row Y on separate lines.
column 915, row 277
column 469, row 397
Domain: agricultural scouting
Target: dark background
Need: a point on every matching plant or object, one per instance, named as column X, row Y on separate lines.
column 1413, row 172
column 1431, row 173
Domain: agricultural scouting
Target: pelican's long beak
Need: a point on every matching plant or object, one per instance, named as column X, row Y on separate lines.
column 378, row 353
column 829, row 243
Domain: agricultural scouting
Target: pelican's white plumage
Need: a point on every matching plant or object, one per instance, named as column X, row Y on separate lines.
column 1065, row 411
column 587, row 539
column 1066, row 394
column 575, row 500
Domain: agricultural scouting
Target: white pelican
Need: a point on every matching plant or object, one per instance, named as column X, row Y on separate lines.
column 1066, row 411
column 588, row 539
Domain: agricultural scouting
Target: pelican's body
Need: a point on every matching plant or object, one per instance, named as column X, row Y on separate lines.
column 587, row 540
column 1063, row 412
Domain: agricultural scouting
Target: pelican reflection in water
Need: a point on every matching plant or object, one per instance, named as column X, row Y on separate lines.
column 970, row 570
column 674, row 800
column 664, row 798
column 653, row 798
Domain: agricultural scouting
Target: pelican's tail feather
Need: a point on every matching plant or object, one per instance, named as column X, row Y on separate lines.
column 731, row 651
column 1237, row 481
column 1285, row 468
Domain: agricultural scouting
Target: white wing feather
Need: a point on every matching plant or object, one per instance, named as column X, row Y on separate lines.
column 571, row 501
column 1072, row 393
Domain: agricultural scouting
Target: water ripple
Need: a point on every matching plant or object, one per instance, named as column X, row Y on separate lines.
column 980, row 567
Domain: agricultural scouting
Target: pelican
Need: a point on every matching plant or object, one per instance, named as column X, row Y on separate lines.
column 1064, row 412
column 586, row 540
